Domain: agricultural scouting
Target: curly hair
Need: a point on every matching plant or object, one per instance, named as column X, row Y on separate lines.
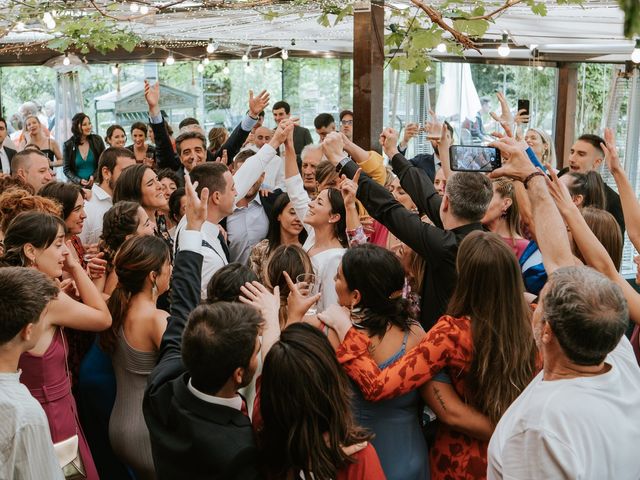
column 120, row 221
column 17, row 200
column 7, row 183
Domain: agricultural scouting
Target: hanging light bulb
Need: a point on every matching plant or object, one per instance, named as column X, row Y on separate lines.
column 115, row 69
column 533, row 46
column 200, row 67
column 635, row 55
column 144, row 9
column 268, row 64
column 170, row 60
column 285, row 54
column 247, row 67
column 48, row 20
column 503, row 49
column 20, row 26
column 206, row 61
column 134, row 7
column 66, row 61
column 540, row 67
column 225, row 70
column 211, row 47
column 442, row 47
column 259, row 53
column 245, row 57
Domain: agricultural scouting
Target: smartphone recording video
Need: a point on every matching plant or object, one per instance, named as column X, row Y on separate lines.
column 467, row 158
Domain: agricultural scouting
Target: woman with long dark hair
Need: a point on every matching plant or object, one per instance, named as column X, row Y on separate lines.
column 116, row 136
column 285, row 228
column 36, row 240
column 145, row 153
column 143, row 268
column 304, row 431
column 485, row 343
column 140, row 184
column 82, row 151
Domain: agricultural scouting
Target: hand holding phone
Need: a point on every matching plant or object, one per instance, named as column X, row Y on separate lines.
column 473, row 158
column 523, row 110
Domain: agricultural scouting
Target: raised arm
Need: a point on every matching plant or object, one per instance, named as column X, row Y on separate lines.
column 293, row 183
column 551, row 233
column 593, row 252
column 414, row 180
column 165, row 155
column 371, row 163
column 630, row 206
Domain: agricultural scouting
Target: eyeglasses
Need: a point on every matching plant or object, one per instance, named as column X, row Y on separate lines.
column 347, row 122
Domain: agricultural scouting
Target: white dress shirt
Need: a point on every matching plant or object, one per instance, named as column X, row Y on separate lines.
column 6, row 165
column 26, row 449
column 235, row 402
column 246, row 226
column 95, row 209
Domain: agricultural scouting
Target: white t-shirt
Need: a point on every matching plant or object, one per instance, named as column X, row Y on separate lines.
column 579, row 428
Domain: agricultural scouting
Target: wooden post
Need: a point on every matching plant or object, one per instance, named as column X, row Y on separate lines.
column 565, row 117
column 368, row 62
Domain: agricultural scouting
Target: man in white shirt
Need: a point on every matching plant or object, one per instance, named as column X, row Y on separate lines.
column 580, row 417
column 26, row 449
column 225, row 190
column 32, row 167
column 111, row 164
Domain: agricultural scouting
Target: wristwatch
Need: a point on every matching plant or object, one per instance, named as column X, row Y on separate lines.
column 341, row 164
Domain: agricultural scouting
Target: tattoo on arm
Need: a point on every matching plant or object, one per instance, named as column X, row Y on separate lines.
column 439, row 397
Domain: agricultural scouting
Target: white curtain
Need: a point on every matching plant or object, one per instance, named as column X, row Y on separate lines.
column 458, row 96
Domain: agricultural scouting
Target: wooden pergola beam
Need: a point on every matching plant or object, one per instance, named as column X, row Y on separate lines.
column 565, row 115
column 368, row 63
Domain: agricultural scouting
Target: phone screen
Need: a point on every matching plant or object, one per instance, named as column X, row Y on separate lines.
column 524, row 105
column 467, row 158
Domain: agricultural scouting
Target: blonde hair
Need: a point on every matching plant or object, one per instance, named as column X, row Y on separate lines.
column 549, row 155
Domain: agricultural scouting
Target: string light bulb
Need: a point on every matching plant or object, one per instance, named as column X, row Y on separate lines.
column 66, row 61
column 170, row 60
column 200, row 67
column 503, row 49
column 635, row 55
column 285, row 54
column 134, row 7
column 268, row 64
column 247, row 67
column 206, row 61
column 211, row 47
column 115, row 69
column 225, row 70
column 442, row 47
column 245, row 57
column 144, row 9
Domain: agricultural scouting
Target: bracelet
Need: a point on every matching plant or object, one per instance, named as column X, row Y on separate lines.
column 531, row 176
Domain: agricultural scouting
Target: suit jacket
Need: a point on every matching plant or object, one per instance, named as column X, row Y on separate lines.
column 614, row 206
column 166, row 157
column 10, row 153
column 301, row 138
column 191, row 438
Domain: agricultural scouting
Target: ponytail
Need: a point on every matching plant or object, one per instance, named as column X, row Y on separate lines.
column 118, row 305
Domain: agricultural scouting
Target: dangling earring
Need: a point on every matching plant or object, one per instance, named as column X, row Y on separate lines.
column 154, row 289
column 357, row 316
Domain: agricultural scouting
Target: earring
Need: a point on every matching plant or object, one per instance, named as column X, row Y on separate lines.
column 154, row 289
column 357, row 316
column 504, row 214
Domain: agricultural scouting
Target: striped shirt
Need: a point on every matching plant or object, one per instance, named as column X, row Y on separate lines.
column 26, row 450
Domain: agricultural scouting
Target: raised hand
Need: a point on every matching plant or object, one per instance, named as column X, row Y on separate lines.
column 224, row 159
column 516, row 163
column 338, row 318
column 389, row 142
column 258, row 103
column 333, row 147
column 505, row 114
column 283, row 131
column 96, row 266
column 259, row 297
column 196, row 208
column 349, row 188
column 410, row 131
column 558, row 190
column 297, row 303
column 152, row 96
column 611, row 151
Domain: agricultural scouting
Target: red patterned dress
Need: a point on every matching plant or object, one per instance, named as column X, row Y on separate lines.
column 447, row 345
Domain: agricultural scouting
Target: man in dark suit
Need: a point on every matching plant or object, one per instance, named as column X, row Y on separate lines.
column 191, row 143
column 301, row 136
column 197, row 421
column 6, row 153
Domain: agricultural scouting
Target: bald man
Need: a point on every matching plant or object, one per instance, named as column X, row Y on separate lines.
column 274, row 174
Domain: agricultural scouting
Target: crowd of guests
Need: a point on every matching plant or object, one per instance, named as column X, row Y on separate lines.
column 253, row 305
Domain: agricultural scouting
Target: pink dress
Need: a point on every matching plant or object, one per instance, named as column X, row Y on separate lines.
column 47, row 379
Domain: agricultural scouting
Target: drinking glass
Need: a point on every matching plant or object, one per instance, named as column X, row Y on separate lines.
column 308, row 287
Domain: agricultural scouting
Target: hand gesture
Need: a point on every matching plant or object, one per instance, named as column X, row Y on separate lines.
column 389, row 142
column 71, row 263
column 96, row 266
column 333, row 147
column 522, row 117
column 283, row 130
column 505, row 118
column 196, row 208
column 349, row 188
column 259, row 103
column 338, row 318
column 515, row 162
column 297, row 303
column 558, row 190
column 410, row 131
column 223, row 159
column 260, row 298
column 611, row 151
column 87, row 183
column 152, row 94
column 68, row 286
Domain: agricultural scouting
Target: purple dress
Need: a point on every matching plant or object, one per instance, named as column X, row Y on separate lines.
column 47, row 379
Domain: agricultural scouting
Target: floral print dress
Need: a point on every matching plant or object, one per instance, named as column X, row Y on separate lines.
column 449, row 345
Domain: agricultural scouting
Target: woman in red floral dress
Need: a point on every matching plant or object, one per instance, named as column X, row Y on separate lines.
column 486, row 346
